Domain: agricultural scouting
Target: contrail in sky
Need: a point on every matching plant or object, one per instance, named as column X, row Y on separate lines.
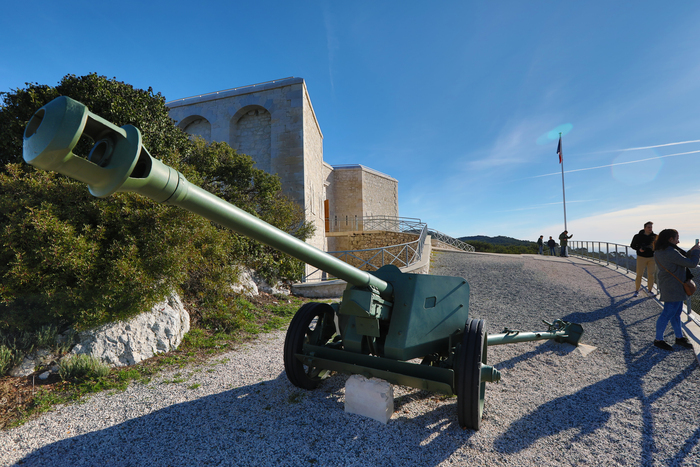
column 659, row 145
column 623, row 163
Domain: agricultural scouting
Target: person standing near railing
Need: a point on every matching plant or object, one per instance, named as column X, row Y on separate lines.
column 672, row 266
column 563, row 241
column 643, row 244
column 552, row 245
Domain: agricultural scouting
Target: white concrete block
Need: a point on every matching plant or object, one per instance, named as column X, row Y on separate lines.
column 373, row 398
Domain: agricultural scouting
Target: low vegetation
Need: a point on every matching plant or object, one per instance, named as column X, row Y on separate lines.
column 25, row 397
column 500, row 244
column 69, row 261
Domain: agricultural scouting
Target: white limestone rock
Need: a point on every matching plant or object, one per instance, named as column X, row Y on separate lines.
column 129, row 342
column 251, row 284
column 31, row 361
column 246, row 283
column 275, row 289
column 373, row 398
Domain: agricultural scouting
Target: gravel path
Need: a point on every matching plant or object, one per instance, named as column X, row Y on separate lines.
column 625, row 403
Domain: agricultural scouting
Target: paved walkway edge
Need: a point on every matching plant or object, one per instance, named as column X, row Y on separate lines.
column 689, row 320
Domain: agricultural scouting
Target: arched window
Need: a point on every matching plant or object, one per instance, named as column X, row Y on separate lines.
column 250, row 134
column 196, row 125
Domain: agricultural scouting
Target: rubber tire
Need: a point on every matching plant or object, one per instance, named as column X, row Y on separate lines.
column 470, row 389
column 297, row 335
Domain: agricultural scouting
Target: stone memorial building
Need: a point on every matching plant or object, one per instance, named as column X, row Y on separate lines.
column 275, row 124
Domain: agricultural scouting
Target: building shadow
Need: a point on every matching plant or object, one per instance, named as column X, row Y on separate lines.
column 584, row 410
column 268, row 423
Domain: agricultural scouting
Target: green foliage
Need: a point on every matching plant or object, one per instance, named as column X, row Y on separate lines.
column 234, row 178
column 82, row 367
column 69, row 259
column 14, row 346
column 113, row 100
column 483, row 247
column 498, row 240
column 9, row 358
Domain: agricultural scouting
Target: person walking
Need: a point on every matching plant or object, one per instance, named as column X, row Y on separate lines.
column 672, row 266
column 563, row 241
column 540, row 243
column 643, row 244
column 551, row 244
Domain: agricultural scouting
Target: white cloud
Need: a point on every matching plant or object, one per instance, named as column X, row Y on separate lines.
column 680, row 213
column 511, row 145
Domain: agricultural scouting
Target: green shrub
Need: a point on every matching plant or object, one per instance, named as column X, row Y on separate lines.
column 82, row 368
column 485, row 247
column 69, row 259
column 9, row 358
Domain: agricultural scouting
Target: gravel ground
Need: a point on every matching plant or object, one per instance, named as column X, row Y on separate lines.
column 625, row 403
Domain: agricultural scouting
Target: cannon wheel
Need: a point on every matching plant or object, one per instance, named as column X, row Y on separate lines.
column 470, row 388
column 307, row 326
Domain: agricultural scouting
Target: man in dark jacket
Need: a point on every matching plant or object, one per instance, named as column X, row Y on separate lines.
column 563, row 242
column 551, row 244
column 643, row 244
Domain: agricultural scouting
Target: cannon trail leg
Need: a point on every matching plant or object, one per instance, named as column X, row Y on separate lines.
column 312, row 324
column 470, row 388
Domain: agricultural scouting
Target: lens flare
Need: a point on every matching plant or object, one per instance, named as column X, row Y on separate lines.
column 628, row 169
column 553, row 134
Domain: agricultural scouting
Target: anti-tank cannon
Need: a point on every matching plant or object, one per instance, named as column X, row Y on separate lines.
column 386, row 318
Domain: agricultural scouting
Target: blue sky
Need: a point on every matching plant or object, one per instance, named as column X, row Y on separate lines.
column 454, row 99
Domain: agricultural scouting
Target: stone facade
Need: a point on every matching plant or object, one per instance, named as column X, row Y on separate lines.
column 356, row 192
column 276, row 125
column 345, row 241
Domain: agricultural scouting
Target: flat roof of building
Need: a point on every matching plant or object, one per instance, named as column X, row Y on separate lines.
column 251, row 88
column 362, row 167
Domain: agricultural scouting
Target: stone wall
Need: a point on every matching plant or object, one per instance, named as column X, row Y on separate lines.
column 345, row 198
column 314, row 172
column 357, row 192
column 371, row 239
column 380, row 194
column 251, row 135
column 275, row 124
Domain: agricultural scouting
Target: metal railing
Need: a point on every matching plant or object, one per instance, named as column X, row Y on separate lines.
column 401, row 255
column 353, row 223
column 604, row 252
column 441, row 237
column 611, row 253
column 371, row 259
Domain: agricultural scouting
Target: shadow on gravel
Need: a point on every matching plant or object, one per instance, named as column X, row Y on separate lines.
column 269, row 423
column 585, row 410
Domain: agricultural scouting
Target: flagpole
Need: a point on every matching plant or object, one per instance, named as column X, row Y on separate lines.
column 563, row 191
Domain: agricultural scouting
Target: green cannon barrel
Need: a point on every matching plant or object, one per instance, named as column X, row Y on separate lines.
column 119, row 162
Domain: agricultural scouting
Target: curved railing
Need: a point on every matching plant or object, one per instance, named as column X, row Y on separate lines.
column 622, row 256
column 401, row 255
column 615, row 253
column 459, row 244
column 371, row 259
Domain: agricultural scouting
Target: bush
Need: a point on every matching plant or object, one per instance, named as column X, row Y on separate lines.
column 81, row 368
column 69, row 259
column 234, row 178
column 8, row 359
column 484, row 247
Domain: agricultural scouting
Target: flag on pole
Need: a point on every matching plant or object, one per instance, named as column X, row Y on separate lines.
column 559, row 150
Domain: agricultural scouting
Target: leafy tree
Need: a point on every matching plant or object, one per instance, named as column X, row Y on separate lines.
column 485, row 247
column 234, row 178
column 68, row 258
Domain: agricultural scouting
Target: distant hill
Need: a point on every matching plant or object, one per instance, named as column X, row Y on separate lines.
column 500, row 244
column 500, row 240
